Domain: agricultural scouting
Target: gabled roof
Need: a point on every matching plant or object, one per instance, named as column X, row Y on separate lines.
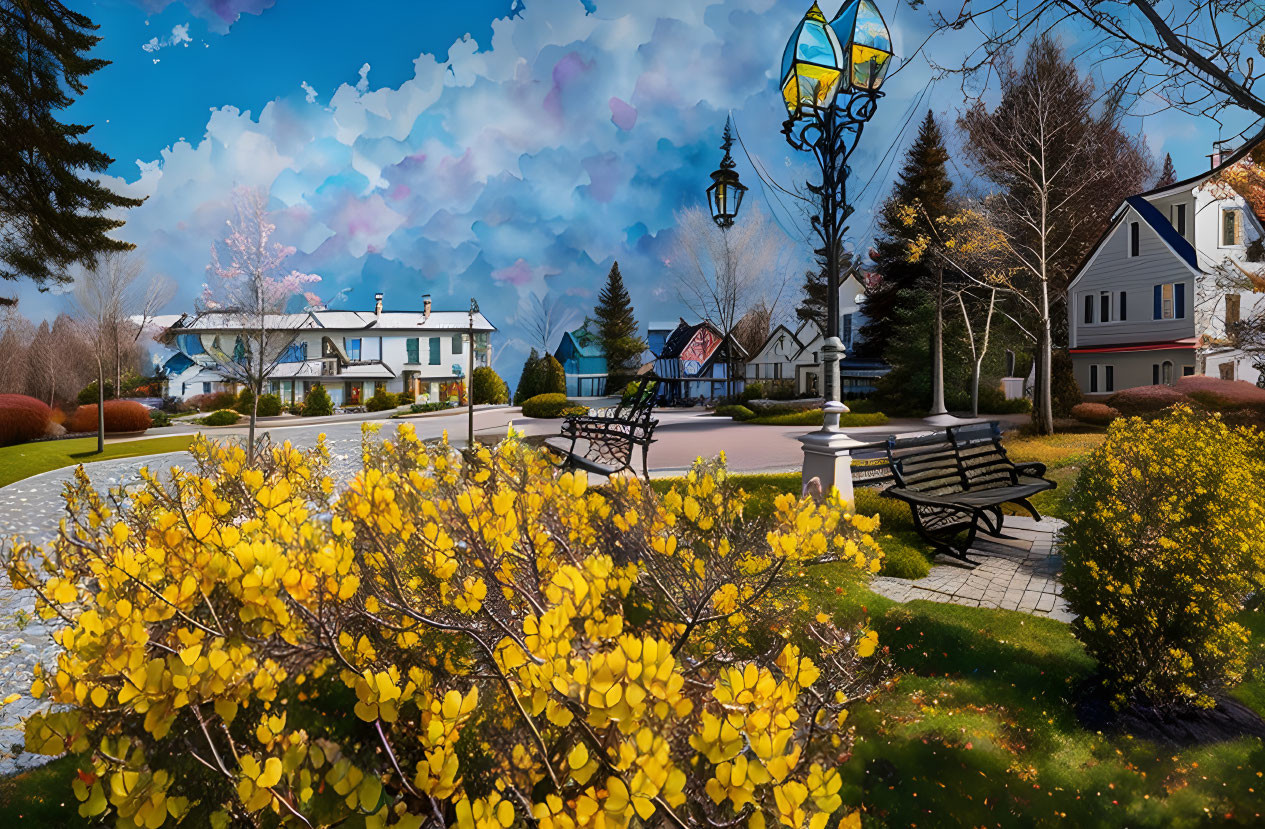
column 177, row 364
column 584, row 343
column 1175, row 241
column 337, row 321
column 773, row 333
column 1194, row 181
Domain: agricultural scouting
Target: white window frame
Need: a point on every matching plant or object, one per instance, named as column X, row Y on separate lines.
column 1110, row 316
column 1238, row 227
column 1102, row 378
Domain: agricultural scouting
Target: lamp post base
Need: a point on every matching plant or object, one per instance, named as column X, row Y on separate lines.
column 828, row 455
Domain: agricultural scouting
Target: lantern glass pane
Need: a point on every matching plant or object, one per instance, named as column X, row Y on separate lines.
column 722, row 199
column 815, row 85
column 869, row 66
column 870, row 29
column 738, row 192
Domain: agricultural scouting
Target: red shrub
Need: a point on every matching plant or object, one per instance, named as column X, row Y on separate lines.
column 22, row 418
column 1221, row 395
column 213, row 401
column 1098, row 414
column 1146, row 400
column 120, row 416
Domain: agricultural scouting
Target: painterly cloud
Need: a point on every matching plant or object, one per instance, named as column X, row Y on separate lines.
column 218, row 14
column 179, row 36
column 515, row 170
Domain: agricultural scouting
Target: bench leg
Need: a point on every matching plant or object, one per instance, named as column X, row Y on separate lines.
column 1026, row 504
column 943, row 544
column 645, row 460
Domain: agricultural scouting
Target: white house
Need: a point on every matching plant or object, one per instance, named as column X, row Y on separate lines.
column 351, row 353
column 797, row 355
column 1152, row 301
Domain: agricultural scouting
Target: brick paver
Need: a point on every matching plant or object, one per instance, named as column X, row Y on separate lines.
column 1019, row 573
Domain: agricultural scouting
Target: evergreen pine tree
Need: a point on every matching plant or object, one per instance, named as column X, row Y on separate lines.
column 923, row 179
column 531, row 380
column 1168, row 175
column 51, row 207
column 617, row 330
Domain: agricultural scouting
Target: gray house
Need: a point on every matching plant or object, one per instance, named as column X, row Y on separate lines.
column 1152, row 301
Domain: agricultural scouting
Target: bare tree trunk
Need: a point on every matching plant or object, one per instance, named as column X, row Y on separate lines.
column 100, row 403
column 1043, row 411
column 937, row 349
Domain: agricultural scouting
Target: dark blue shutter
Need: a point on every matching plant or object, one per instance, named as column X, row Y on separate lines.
column 1179, row 301
column 1159, row 300
column 434, row 351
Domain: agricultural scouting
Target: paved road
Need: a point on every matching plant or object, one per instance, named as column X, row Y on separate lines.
column 33, row 507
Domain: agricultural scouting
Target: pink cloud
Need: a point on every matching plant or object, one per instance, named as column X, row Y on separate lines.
column 517, row 274
column 623, row 115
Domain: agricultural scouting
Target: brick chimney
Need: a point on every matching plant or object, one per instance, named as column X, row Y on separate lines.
column 377, row 305
column 425, row 305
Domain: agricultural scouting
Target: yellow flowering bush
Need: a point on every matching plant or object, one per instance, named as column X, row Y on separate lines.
column 451, row 641
column 1166, row 543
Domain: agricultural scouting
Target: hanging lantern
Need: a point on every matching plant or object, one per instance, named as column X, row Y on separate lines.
column 812, row 66
column 724, row 197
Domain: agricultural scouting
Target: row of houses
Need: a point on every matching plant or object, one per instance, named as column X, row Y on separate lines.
column 353, row 354
column 694, row 359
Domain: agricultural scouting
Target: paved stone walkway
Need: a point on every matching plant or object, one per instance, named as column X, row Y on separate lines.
column 1017, row 574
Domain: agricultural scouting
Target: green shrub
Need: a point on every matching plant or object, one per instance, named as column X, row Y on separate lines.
column 294, row 408
column 381, row 401
column 245, row 401
column 551, row 405
column 531, row 380
column 1163, row 547
column 318, row 403
column 488, row 387
column 737, row 412
column 224, row 417
column 88, row 394
column 752, row 390
column 269, row 405
column 554, row 376
column 574, row 411
column 404, row 398
column 993, row 401
column 157, row 417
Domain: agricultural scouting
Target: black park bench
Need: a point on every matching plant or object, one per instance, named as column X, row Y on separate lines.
column 957, row 480
column 603, row 440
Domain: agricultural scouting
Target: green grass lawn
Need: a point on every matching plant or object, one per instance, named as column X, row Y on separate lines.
column 27, row 459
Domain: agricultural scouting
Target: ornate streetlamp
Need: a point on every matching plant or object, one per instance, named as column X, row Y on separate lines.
column 724, row 197
column 831, row 75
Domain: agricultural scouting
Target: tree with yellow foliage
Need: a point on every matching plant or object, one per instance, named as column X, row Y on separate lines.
column 472, row 642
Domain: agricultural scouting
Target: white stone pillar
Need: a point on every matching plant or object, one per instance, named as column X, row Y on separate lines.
column 828, row 454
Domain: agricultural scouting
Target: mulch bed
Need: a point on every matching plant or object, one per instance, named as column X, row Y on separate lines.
column 1175, row 725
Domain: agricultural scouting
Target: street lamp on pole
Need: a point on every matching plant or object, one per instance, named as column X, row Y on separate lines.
column 831, row 75
column 724, row 198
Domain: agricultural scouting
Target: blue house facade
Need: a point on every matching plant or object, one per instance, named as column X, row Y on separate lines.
column 583, row 363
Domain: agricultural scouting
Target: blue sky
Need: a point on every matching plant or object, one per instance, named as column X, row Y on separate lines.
column 513, row 164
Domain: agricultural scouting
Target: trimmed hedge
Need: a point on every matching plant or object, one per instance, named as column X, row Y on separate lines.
column 211, row 402
column 1096, row 414
column 22, row 418
column 120, row 416
column 551, row 405
column 1145, row 400
column 381, row 401
column 736, row 411
column 224, row 417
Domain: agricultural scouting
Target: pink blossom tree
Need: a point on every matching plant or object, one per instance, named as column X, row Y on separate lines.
column 246, row 328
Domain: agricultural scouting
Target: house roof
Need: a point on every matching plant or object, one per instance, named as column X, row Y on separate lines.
column 337, row 321
column 684, row 333
column 369, row 370
column 584, row 343
column 1194, row 181
column 1176, row 242
column 177, row 364
column 773, row 333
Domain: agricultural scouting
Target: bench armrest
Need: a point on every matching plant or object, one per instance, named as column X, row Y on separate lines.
column 1036, row 470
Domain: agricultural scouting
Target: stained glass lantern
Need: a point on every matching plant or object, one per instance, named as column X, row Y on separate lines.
column 868, row 44
column 812, row 66
column 724, row 197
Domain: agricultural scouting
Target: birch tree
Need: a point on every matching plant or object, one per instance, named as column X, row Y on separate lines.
column 250, row 287
column 723, row 274
column 1060, row 166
